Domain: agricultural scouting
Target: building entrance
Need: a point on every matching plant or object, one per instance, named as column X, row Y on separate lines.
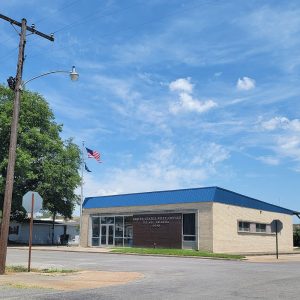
column 107, row 235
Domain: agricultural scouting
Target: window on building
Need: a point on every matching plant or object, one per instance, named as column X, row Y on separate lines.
column 261, row 227
column 14, row 229
column 95, row 231
column 112, row 230
column 253, row 227
column 189, row 228
column 119, row 227
column 107, row 220
column 128, row 227
column 244, row 226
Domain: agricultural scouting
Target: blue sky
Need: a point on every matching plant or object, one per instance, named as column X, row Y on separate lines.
column 174, row 94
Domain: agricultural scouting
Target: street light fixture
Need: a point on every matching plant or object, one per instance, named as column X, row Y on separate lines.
column 12, row 82
column 73, row 75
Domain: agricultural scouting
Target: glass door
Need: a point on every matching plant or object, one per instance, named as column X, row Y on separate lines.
column 107, row 235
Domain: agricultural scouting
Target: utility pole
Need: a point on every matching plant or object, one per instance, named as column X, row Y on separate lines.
column 13, row 136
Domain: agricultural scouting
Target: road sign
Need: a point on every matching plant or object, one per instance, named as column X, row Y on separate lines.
column 32, row 202
column 27, row 201
column 276, row 225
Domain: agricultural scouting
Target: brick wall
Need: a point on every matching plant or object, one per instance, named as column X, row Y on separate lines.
column 227, row 238
column 204, row 218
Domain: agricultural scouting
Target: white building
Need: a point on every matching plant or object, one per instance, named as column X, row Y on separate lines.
column 42, row 231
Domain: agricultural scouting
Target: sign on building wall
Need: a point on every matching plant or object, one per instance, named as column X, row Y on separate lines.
column 157, row 230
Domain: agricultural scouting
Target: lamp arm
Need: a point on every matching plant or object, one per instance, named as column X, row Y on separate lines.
column 44, row 74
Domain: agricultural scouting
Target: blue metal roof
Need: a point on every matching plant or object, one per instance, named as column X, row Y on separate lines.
column 194, row 195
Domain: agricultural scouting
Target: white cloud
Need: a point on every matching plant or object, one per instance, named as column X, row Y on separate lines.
column 187, row 103
column 284, row 141
column 281, row 123
column 245, row 84
column 289, row 146
column 218, row 74
column 212, row 154
column 279, row 26
column 121, row 88
column 274, row 123
column 182, row 85
column 269, row 160
column 165, row 167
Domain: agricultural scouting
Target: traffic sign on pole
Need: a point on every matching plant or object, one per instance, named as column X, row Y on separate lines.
column 32, row 202
column 27, row 201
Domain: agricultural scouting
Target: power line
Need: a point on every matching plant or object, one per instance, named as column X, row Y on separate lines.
column 58, row 10
column 83, row 20
column 87, row 17
column 78, row 22
column 47, row 17
column 155, row 20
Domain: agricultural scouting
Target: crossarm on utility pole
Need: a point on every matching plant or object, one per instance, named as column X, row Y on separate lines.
column 11, row 21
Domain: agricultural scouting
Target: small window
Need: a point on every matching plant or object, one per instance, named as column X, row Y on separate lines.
column 189, row 227
column 14, row 229
column 188, row 224
column 261, row 227
column 96, row 227
column 244, row 226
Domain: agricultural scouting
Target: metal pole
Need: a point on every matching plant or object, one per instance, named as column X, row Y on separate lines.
column 81, row 196
column 12, row 153
column 30, row 231
column 276, row 224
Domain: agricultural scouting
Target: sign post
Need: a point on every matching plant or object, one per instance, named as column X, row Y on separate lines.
column 32, row 202
column 276, row 226
column 30, row 231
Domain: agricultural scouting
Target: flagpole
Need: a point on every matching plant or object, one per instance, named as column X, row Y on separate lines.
column 81, row 196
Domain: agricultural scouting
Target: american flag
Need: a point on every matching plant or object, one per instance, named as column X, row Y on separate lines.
column 93, row 154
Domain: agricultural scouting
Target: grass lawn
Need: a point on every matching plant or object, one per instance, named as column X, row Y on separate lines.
column 17, row 269
column 176, row 252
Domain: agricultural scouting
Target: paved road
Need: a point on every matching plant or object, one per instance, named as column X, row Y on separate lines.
column 167, row 277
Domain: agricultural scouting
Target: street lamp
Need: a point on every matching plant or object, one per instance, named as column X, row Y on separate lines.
column 73, row 75
column 17, row 85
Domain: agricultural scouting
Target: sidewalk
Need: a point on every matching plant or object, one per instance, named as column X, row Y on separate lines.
column 286, row 257
column 293, row 257
column 63, row 248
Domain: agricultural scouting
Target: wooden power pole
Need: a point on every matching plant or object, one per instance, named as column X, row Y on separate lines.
column 13, row 137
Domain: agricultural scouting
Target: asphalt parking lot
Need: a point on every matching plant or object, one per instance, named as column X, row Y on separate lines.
column 165, row 277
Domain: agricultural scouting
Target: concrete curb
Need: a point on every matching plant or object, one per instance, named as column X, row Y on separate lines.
column 67, row 249
column 120, row 253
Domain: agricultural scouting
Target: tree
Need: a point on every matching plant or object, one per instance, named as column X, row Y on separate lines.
column 44, row 163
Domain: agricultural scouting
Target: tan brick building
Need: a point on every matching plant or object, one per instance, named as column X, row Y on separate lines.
column 210, row 218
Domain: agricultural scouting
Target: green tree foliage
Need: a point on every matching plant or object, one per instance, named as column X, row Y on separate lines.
column 44, row 163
